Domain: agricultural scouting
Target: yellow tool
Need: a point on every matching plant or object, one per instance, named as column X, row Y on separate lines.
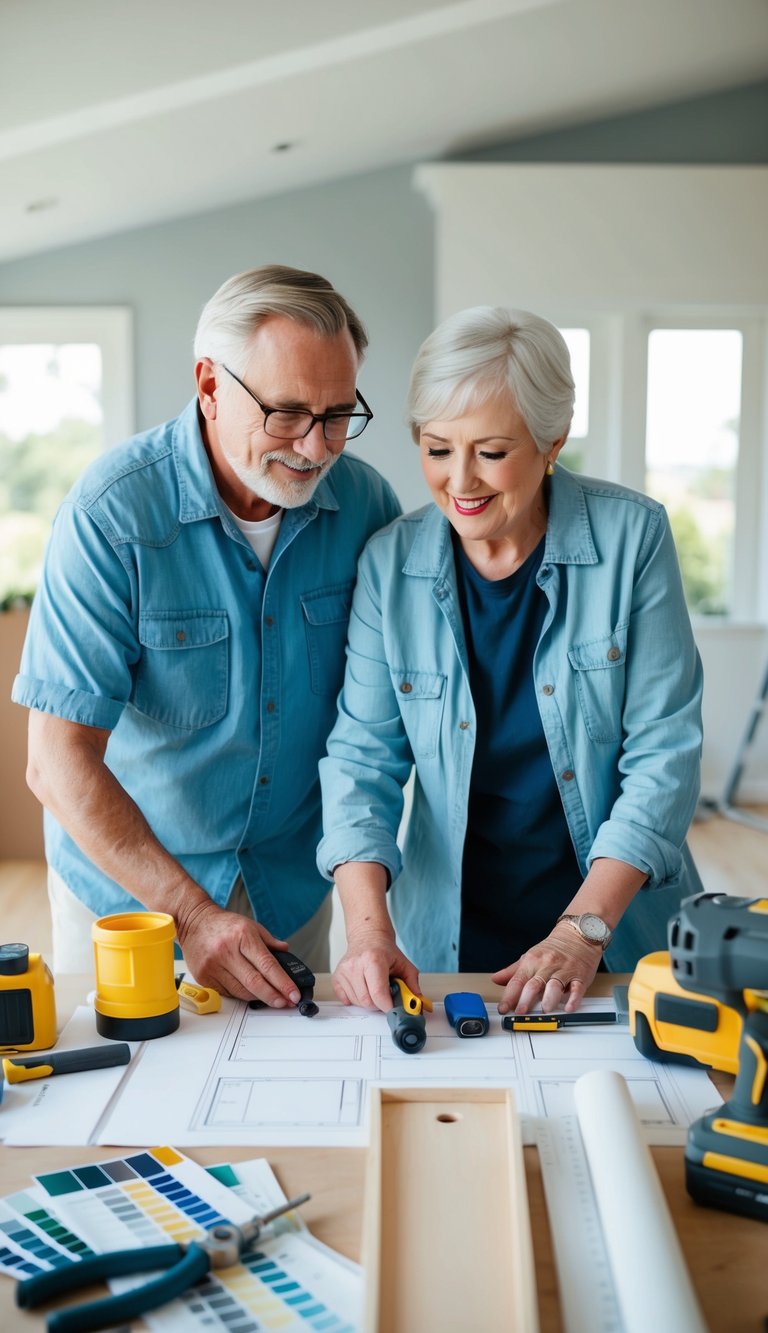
column 135, row 984
column 672, row 1024
column 200, row 999
column 27, row 1004
column 406, row 1020
column 718, row 956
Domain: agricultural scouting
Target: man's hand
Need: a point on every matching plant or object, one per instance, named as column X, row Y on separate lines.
column 231, row 952
column 558, row 972
column 362, row 976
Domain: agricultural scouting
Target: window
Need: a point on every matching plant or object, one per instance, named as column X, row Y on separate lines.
column 65, row 390
column 578, row 342
column 703, row 379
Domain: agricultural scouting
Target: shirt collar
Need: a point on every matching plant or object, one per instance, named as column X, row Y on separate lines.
column 198, row 495
column 569, row 534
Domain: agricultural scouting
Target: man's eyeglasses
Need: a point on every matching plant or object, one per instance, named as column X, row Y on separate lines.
column 287, row 424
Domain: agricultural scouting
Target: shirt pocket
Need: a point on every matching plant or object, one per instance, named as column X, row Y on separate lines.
column 421, row 696
column 600, row 670
column 326, row 619
column 182, row 675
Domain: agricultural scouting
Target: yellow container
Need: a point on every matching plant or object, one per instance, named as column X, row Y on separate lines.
column 136, row 995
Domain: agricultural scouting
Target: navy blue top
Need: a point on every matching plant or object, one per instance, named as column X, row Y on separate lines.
column 519, row 869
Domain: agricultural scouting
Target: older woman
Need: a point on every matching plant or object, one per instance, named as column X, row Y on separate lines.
column 524, row 643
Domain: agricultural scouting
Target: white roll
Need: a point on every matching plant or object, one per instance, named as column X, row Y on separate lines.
column 652, row 1284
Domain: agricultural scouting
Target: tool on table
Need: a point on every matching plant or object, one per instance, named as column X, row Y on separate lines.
column 675, row 1025
column 466, row 1012
column 199, row 999
column 135, row 984
column 21, row 1069
column 27, row 1004
column 221, row 1247
column 406, row 1020
column 718, row 945
column 551, row 1022
column 303, row 979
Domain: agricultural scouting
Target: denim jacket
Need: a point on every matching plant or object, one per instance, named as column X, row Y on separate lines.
column 217, row 680
column 618, row 683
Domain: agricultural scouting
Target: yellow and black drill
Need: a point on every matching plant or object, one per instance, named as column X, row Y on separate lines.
column 718, row 946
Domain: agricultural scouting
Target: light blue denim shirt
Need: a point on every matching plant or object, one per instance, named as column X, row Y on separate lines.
column 218, row 681
column 618, row 682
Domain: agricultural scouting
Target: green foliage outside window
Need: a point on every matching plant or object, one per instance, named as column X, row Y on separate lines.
column 35, row 474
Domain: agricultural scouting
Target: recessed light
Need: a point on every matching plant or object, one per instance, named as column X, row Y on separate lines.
column 40, row 205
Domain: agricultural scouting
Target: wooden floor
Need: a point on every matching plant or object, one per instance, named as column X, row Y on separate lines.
column 731, row 858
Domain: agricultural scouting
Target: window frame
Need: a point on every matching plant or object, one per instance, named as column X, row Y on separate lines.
column 109, row 327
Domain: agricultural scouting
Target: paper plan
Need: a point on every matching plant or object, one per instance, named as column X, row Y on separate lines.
column 263, row 1076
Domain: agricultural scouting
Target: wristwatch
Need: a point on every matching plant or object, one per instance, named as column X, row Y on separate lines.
column 591, row 928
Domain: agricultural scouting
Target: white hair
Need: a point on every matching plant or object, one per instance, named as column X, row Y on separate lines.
column 233, row 314
column 487, row 350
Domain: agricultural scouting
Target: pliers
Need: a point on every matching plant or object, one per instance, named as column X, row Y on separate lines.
column 220, row 1247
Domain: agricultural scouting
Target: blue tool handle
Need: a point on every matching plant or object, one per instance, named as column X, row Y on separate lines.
column 44, row 1286
column 113, row 1311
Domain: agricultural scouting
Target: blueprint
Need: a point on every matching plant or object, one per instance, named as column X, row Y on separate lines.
column 271, row 1077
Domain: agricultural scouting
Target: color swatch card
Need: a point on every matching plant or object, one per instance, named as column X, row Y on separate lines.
column 289, row 1282
column 152, row 1197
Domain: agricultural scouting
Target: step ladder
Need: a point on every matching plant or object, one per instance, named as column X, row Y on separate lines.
column 726, row 806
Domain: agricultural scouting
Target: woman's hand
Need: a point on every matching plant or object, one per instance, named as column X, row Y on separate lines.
column 558, row 972
column 362, row 976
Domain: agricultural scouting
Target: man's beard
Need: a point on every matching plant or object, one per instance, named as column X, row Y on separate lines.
column 285, row 492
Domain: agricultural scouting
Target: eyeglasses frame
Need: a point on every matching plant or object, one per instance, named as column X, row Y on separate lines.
column 322, row 416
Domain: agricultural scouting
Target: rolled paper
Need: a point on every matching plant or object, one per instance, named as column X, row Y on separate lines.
column 651, row 1280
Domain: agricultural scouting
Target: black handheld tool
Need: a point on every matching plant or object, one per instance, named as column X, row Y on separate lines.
column 406, row 1020
column 303, row 979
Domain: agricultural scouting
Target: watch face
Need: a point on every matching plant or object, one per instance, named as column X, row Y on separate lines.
column 594, row 928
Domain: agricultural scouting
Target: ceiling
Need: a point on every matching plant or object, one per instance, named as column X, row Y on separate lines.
column 116, row 114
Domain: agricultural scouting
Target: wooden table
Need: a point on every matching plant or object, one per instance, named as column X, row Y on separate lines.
column 727, row 1255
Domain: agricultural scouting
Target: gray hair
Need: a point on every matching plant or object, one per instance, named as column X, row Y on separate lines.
column 479, row 353
column 233, row 314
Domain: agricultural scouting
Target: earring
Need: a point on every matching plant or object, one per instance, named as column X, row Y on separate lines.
column 550, row 470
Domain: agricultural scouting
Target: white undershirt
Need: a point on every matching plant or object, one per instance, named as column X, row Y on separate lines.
column 261, row 534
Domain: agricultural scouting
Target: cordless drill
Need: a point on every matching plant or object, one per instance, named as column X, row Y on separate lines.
column 719, row 946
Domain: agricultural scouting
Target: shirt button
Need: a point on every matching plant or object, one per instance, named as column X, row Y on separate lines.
column 454, row 946
column 567, row 775
column 406, row 687
column 463, row 726
column 547, row 689
column 263, row 781
column 268, row 621
column 614, row 654
column 271, row 706
column 544, row 571
column 250, row 564
column 180, row 635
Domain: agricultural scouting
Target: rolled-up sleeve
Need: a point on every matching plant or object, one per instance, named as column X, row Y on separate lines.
column 81, row 644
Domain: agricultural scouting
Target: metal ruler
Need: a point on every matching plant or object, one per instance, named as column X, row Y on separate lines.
column 587, row 1293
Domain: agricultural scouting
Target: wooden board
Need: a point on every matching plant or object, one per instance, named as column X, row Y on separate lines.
column 446, row 1231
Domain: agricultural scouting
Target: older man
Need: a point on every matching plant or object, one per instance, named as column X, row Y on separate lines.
column 186, row 644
